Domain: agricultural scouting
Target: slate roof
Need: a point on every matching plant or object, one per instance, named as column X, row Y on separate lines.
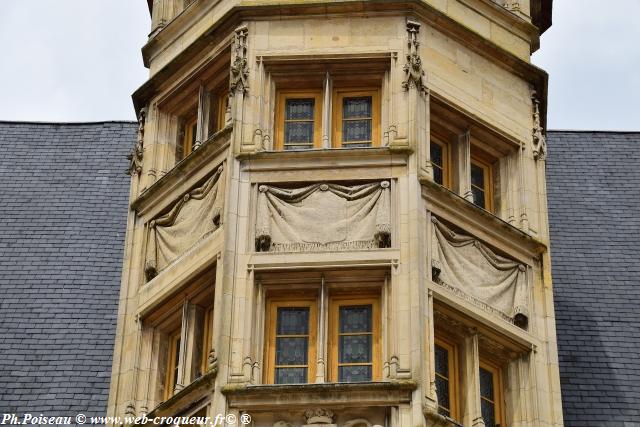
column 63, row 209
column 593, row 183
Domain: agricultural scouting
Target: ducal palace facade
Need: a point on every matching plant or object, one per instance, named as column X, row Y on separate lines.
column 337, row 216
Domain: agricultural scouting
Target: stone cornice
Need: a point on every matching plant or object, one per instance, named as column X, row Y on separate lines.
column 439, row 20
column 255, row 397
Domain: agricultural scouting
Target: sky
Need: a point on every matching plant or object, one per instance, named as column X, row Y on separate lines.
column 79, row 60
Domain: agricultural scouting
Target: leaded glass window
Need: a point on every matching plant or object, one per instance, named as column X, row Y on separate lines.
column 487, row 397
column 292, row 345
column 478, row 185
column 443, row 375
column 299, row 123
column 355, row 343
column 439, row 160
column 357, row 121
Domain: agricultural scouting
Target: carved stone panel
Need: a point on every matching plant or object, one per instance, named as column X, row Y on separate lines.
column 469, row 268
column 191, row 218
column 321, row 217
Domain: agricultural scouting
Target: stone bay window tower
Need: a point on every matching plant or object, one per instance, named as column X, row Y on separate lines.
column 338, row 216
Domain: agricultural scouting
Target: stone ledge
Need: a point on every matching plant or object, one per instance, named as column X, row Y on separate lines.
column 265, row 397
column 190, row 396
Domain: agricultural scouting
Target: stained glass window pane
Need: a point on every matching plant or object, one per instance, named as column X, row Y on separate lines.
column 355, row 319
column 478, row 197
column 486, row 384
column 442, row 391
column 293, row 321
column 299, row 109
column 292, row 351
column 356, row 130
column 477, row 176
column 351, row 374
column 442, row 361
column 291, row 375
column 356, row 107
column 488, row 413
column 436, row 154
column 355, row 349
column 298, row 133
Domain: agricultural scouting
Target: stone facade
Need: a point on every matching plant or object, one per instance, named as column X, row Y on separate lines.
column 435, row 221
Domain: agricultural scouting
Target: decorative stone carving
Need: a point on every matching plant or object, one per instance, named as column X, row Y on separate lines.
column 319, row 416
column 136, row 154
column 322, row 217
column 539, row 140
column 240, row 65
column 194, row 216
column 358, row 422
column 212, row 362
column 281, row 424
column 413, row 67
column 473, row 271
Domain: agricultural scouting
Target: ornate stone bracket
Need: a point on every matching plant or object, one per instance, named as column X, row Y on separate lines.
column 135, row 156
column 413, row 67
column 539, row 140
column 240, row 67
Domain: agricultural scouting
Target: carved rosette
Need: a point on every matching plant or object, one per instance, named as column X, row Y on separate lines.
column 135, row 156
column 413, row 67
column 539, row 147
column 238, row 82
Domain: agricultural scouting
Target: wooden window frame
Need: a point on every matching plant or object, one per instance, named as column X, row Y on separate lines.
column 498, row 392
column 446, row 161
column 454, row 397
column 222, row 102
column 173, row 359
column 270, row 345
column 282, row 96
column 206, row 338
column 487, row 171
column 188, row 137
column 338, row 96
column 335, row 303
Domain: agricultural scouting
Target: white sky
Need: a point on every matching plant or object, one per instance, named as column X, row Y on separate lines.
column 79, row 60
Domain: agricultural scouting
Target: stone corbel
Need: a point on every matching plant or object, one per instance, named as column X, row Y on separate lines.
column 319, row 417
column 539, row 146
column 136, row 154
column 414, row 73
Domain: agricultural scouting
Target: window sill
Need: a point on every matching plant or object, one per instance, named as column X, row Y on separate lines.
column 189, row 396
column 256, row 397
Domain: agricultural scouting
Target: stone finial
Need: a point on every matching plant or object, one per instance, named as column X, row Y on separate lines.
column 539, row 146
column 413, row 67
column 135, row 156
column 238, row 82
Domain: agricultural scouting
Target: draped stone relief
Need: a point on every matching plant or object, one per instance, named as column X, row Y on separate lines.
column 466, row 266
column 323, row 216
column 195, row 215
